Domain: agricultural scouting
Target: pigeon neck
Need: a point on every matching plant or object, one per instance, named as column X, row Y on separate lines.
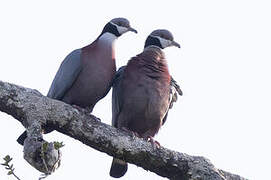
column 152, row 47
column 106, row 44
column 152, row 41
column 108, row 38
column 155, row 49
column 111, row 28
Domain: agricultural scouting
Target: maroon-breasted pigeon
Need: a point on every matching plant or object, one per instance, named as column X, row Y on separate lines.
column 143, row 92
column 86, row 74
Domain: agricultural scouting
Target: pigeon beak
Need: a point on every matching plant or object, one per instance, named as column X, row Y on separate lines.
column 132, row 30
column 175, row 44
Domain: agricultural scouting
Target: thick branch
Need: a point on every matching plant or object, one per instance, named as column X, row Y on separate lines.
column 29, row 106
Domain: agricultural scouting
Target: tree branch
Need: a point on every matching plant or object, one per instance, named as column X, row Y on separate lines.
column 34, row 110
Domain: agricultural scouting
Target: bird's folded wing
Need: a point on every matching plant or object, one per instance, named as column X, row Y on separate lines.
column 116, row 95
column 66, row 75
column 176, row 86
column 174, row 91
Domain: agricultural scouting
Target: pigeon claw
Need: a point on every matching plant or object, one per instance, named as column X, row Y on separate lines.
column 154, row 143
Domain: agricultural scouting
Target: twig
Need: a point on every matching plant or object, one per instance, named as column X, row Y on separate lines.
column 9, row 167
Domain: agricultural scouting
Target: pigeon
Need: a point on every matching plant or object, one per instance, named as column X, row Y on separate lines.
column 85, row 76
column 143, row 93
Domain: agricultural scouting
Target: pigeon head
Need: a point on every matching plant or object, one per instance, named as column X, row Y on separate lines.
column 161, row 38
column 118, row 26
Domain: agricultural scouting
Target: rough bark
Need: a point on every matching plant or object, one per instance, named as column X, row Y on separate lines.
column 34, row 110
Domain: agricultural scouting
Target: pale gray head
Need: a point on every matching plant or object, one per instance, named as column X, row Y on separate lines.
column 118, row 26
column 161, row 38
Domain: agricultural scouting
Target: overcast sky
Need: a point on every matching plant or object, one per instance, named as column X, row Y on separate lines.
column 223, row 69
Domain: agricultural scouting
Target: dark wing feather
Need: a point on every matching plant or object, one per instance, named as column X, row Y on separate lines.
column 176, row 86
column 174, row 91
column 66, row 75
column 116, row 95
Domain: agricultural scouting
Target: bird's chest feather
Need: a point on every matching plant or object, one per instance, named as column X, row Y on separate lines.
column 98, row 70
column 146, row 94
column 146, row 103
column 99, row 61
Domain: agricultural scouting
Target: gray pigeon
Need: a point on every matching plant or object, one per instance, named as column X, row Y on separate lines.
column 143, row 93
column 86, row 74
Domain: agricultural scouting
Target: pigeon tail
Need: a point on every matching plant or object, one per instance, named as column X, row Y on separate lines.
column 21, row 138
column 118, row 168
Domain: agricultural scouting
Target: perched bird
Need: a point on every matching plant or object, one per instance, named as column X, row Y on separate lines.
column 143, row 92
column 86, row 74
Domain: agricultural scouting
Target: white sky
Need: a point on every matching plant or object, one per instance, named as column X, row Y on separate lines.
column 223, row 68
